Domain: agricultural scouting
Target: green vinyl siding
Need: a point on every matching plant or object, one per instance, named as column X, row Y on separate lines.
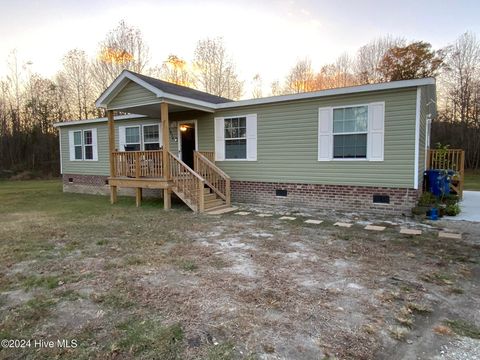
column 287, row 143
column 132, row 94
column 102, row 166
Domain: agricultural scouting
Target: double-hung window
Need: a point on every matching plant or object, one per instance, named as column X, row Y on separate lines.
column 139, row 137
column 78, row 146
column 88, row 144
column 83, row 144
column 350, row 132
column 151, row 137
column 236, row 138
column 132, row 138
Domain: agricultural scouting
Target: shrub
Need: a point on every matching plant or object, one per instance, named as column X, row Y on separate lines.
column 452, row 209
column 427, row 199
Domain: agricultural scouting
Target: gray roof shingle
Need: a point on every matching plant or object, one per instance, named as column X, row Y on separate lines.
column 181, row 90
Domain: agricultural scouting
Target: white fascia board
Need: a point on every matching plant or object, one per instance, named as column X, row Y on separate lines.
column 329, row 92
column 97, row 120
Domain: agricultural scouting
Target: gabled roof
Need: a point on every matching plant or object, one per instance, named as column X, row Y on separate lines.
column 185, row 91
column 163, row 91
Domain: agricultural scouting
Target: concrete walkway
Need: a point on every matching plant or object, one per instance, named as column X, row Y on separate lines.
column 470, row 206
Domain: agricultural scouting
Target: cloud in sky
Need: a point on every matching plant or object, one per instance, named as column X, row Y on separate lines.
column 264, row 37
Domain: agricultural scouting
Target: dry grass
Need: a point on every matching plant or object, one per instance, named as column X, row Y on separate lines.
column 222, row 287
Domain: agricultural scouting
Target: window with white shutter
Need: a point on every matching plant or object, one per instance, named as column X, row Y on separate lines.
column 351, row 132
column 83, row 145
column 236, row 138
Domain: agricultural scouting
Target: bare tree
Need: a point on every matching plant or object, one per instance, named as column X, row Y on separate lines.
column 276, row 88
column 77, row 76
column 122, row 48
column 459, row 99
column 215, row 69
column 257, row 86
column 369, row 57
column 175, row 70
column 338, row 74
column 301, row 77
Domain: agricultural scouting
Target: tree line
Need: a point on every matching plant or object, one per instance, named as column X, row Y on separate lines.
column 30, row 104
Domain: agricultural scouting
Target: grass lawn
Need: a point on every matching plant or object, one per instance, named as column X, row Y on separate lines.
column 472, row 180
column 128, row 283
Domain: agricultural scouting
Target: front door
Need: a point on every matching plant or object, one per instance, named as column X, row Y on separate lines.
column 187, row 142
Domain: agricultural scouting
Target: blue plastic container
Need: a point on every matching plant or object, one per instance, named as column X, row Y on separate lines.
column 433, row 214
column 439, row 181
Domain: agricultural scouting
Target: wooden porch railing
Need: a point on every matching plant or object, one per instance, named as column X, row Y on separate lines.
column 214, row 177
column 449, row 159
column 188, row 185
column 138, row 164
column 210, row 155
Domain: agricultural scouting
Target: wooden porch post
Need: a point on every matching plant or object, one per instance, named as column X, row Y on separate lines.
column 167, row 193
column 111, row 147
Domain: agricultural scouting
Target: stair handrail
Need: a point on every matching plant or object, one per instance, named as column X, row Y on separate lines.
column 214, row 177
column 192, row 188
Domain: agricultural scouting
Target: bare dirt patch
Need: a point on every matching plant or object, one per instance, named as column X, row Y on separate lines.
column 132, row 283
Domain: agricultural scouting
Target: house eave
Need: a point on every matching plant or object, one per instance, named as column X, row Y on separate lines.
column 329, row 92
column 97, row 120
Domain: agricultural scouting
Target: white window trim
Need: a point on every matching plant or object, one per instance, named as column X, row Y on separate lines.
column 81, row 145
column 84, row 145
column 143, row 142
column 239, row 138
column 366, row 158
column 82, row 132
column 140, row 136
column 332, row 134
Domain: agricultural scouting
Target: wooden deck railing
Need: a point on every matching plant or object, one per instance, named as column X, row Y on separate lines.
column 188, row 185
column 210, row 155
column 214, row 177
column 449, row 159
column 138, row 164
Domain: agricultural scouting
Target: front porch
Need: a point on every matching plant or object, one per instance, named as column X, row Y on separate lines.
column 193, row 176
column 203, row 188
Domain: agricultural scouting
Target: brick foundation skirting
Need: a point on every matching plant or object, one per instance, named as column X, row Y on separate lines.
column 337, row 197
column 98, row 185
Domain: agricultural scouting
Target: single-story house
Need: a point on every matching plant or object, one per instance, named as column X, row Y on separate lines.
column 358, row 148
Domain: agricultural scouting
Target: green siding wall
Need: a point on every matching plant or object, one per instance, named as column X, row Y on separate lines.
column 132, row 94
column 287, row 143
column 100, row 167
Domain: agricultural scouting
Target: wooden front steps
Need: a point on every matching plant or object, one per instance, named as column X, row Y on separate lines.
column 211, row 200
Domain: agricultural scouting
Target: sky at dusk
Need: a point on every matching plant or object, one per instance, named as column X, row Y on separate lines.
column 265, row 37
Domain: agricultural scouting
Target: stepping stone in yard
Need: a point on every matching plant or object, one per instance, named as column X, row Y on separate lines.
column 242, row 213
column 342, row 224
column 287, row 218
column 312, row 221
column 265, row 215
column 410, row 231
column 447, row 235
column 374, row 228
